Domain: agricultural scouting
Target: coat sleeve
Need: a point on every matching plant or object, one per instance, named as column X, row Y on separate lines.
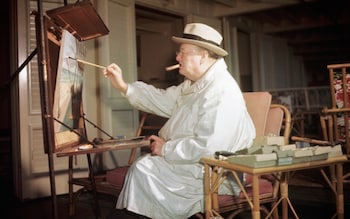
column 153, row 100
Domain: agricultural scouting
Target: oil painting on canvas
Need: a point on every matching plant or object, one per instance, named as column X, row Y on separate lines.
column 67, row 108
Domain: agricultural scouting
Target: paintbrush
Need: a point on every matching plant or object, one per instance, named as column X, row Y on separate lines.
column 88, row 63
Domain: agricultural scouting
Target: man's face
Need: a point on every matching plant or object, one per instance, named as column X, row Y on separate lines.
column 189, row 57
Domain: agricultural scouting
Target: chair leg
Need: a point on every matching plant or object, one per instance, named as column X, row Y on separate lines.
column 199, row 215
column 263, row 209
column 275, row 214
column 236, row 213
column 267, row 211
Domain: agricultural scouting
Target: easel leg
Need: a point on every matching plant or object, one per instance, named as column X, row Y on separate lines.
column 44, row 98
column 93, row 186
column 70, row 185
column 53, row 186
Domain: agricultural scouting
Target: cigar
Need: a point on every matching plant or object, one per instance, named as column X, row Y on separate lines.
column 173, row 67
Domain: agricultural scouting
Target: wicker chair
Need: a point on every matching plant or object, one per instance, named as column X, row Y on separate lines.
column 269, row 119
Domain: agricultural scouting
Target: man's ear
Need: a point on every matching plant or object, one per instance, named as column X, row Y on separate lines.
column 204, row 56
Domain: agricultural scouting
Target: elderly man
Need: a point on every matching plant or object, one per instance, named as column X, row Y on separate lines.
column 206, row 112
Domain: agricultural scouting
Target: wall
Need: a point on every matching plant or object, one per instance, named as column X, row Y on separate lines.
column 270, row 60
column 156, row 51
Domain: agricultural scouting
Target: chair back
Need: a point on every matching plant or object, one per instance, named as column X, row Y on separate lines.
column 258, row 105
column 278, row 119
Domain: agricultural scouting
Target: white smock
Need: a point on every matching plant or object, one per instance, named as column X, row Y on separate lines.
column 206, row 116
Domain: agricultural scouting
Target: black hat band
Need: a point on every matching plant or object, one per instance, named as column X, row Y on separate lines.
column 195, row 37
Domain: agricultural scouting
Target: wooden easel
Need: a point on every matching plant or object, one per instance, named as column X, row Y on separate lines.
column 46, row 79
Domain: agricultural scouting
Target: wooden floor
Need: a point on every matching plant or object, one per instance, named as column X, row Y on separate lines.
column 42, row 208
column 309, row 203
column 310, row 199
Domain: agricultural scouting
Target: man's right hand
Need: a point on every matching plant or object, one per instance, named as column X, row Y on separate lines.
column 114, row 73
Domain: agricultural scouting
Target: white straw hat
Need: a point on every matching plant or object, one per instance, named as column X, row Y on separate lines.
column 202, row 35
